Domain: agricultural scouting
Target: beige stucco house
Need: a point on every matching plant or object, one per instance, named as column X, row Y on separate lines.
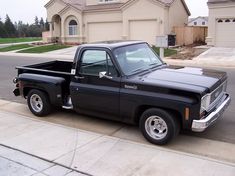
column 83, row 21
column 221, row 27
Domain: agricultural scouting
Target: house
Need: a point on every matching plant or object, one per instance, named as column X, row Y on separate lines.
column 221, row 26
column 199, row 21
column 81, row 21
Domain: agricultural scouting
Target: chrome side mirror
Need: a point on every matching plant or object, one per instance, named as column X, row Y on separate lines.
column 103, row 75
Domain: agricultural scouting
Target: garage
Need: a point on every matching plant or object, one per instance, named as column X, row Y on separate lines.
column 146, row 30
column 225, row 32
column 104, row 31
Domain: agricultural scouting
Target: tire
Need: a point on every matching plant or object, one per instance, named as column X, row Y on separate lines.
column 158, row 126
column 38, row 103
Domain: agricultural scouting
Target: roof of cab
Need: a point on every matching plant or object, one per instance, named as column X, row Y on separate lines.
column 112, row 44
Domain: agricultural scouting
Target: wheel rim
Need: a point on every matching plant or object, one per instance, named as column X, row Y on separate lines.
column 36, row 103
column 156, row 127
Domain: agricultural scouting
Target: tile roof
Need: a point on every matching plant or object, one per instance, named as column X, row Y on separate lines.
column 81, row 5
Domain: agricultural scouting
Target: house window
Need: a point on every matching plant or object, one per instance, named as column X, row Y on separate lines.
column 73, row 27
column 220, row 21
column 203, row 23
column 195, row 23
column 227, row 21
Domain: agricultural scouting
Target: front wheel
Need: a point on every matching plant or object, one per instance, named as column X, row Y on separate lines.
column 38, row 103
column 158, row 126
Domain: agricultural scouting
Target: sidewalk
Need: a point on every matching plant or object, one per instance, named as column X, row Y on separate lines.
column 16, row 163
column 19, row 43
column 99, row 154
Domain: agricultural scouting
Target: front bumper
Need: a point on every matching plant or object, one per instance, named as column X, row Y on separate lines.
column 202, row 125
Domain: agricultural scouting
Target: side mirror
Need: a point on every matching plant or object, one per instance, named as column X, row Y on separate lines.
column 103, row 75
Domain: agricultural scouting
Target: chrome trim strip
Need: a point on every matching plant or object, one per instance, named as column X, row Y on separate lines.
column 201, row 125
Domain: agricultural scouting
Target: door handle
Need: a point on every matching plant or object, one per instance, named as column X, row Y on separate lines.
column 79, row 77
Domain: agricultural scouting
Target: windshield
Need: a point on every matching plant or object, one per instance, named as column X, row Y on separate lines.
column 136, row 58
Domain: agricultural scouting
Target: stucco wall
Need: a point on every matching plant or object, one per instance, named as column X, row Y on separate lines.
column 67, row 16
column 178, row 16
column 140, row 19
column 218, row 11
column 54, row 9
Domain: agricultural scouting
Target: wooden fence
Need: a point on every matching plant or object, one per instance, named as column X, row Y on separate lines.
column 187, row 35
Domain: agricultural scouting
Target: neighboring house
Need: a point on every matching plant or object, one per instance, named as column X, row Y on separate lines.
column 98, row 20
column 221, row 27
column 199, row 21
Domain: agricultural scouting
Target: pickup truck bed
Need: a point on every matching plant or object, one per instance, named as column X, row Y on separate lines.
column 59, row 68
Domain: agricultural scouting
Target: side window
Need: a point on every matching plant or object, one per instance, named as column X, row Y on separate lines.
column 96, row 61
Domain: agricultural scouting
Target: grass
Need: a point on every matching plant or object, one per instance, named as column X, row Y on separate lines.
column 14, row 47
column 18, row 40
column 167, row 52
column 43, row 49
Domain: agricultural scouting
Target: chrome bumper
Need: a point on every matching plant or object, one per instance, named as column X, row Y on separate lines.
column 201, row 125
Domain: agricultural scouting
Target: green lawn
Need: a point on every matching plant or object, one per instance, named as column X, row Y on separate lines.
column 14, row 47
column 167, row 52
column 43, row 49
column 18, row 40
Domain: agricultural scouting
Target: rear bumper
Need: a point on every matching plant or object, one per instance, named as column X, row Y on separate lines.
column 202, row 125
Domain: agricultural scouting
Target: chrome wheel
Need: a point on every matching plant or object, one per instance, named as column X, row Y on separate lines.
column 156, row 127
column 36, row 103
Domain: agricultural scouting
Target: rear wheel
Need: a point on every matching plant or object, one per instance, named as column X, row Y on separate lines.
column 38, row 103
column 158, row 126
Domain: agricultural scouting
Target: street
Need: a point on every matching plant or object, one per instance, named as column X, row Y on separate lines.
column 222, row 131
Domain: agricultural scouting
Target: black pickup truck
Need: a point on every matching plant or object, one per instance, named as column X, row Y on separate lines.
column 127, row 82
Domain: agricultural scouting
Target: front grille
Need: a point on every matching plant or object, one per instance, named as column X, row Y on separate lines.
column 217, row 94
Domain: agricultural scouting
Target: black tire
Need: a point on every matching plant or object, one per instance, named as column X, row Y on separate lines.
column 43, row 107
column 159, row 126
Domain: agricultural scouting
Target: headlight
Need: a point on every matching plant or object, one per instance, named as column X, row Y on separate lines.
column 205, row 102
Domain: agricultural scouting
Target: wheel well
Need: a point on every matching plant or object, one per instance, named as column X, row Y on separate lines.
column 26, row 91
column 143, row 108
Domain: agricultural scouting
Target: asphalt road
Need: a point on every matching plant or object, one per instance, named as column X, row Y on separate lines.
column 223, row 130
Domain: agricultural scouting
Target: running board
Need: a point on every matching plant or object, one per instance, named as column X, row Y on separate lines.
column 67, row 107
column 68, row 104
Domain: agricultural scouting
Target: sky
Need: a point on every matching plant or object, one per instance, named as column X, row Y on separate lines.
column 26, row 10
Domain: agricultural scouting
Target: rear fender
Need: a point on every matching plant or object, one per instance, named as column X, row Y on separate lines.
column 53, row 86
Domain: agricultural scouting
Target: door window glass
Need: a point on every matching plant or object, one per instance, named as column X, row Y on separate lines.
column 96, row 61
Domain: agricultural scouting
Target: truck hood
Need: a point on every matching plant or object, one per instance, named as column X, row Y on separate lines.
column 185, row 78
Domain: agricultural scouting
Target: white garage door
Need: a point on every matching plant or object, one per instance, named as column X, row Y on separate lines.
column 144, row 30
column 225, row 32
column 104, row 31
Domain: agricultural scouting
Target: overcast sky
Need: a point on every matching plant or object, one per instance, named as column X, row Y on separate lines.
column 26, row 10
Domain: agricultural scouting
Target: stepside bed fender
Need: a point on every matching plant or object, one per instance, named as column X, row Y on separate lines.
column 52, row 85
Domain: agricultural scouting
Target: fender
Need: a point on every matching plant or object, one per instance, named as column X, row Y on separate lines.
column 53, row 86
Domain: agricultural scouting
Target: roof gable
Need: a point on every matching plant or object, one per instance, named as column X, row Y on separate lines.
column 200, row 17
column 81, row 4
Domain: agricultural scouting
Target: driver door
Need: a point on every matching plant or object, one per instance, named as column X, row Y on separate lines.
column 90, row 93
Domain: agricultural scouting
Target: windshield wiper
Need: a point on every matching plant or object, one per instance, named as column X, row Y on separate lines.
column 138, row 70
column 156, row 65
